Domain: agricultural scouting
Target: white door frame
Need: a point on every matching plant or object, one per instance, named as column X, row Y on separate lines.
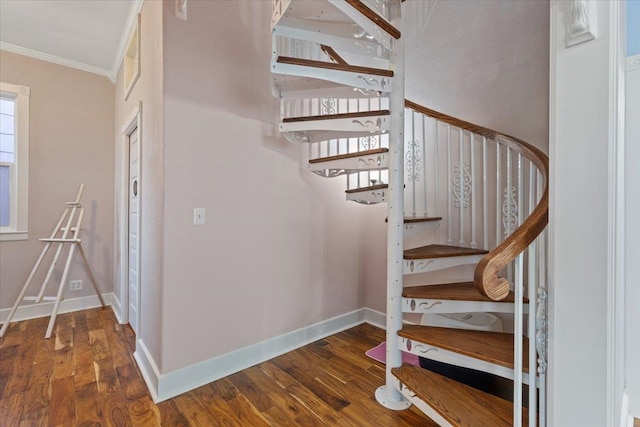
column 133, row 122
column 616, row 280
column 610, row 26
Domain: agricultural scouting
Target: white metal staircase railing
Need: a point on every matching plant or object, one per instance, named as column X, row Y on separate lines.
column 339, row 77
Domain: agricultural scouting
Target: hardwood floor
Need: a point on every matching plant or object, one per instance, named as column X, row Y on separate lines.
column 85, row 376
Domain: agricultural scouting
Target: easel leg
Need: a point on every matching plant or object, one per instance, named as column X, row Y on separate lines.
column 24, row 289
column 65, row 273
column 93, row 279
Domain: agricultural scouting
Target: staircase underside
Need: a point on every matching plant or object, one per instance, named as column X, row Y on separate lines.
column 452, row 403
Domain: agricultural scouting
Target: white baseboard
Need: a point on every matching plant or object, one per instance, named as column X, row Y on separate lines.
column 375, row 318
column 44, row 309
column 116, row 306
column 166, row 386
column 148, row 368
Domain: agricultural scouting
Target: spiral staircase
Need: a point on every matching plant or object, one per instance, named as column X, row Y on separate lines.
column 459, row 196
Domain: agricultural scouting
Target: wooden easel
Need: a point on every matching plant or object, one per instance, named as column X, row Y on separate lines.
column 73, row 212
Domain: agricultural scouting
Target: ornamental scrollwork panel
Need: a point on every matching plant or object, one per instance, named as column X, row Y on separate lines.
column 541, row 330
column 462, row 184
column 328, row 106
column 413, row 159
column 509, row 210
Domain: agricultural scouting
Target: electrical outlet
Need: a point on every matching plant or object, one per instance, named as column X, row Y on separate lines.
column 75, row 285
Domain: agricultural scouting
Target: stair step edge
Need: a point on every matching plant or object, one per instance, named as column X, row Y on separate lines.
column 460, row 291
column 334, row 66
column 458, row 404
column 491, row 347
column 337, row 116
column 349, row 155
column 441, row 251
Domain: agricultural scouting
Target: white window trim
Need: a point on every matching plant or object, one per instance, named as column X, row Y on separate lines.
column 19, row 227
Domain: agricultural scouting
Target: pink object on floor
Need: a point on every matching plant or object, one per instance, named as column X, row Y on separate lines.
column 379, row 353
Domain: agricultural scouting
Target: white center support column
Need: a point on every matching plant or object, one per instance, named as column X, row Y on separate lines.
column 388, row 395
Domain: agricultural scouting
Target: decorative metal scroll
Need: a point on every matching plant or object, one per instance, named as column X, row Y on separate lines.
column 413, row 159
column 509, row 210
column 461, row 184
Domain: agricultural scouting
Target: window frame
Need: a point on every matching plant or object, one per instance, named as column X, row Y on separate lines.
column 18, row 228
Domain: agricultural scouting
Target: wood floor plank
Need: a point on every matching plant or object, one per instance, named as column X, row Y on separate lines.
column 247, row 387
column 225, row 389
column 21, row 373
column 11, row 410
column 217, row 407
column 144, row 413
column 7, row 356
column 194, row 410
column 63, row 363
column 309, row 398
column 92, row 380
column 170, row 415
column 131, row 381
column 114, row 409
column 99, row 345
column 62, row 404
column 87, row 405
column 36, row 398
column 106, row 376
column 246, row 412
column 292, row 407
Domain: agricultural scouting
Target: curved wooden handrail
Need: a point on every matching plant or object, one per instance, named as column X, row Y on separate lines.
column 486, row 276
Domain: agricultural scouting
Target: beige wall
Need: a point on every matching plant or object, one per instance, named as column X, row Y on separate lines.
column 148, row 90
column 281, row 249
column 486, row 62
column 71, row 137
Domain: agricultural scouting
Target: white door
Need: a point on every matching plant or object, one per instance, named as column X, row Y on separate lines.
column 134, row 240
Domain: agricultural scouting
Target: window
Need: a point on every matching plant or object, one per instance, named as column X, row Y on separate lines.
column 14, row 161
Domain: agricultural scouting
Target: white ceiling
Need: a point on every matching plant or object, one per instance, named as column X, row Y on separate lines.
column 85, row 34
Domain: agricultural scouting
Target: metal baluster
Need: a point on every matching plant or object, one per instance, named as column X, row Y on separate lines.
column 498, row 195
column 507, row 216
column 412, row 142
column 449, row 185
column 437, row 166
column 461, row 242
column 474, row 243
column 485, row 205
column 424, row 163
column 518, row 342
column 532, row 288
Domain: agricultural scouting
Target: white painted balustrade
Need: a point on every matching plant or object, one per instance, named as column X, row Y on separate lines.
column 481, row 185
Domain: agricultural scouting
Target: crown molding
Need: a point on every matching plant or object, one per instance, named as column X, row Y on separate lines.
column 132, row 19
column 55, row 59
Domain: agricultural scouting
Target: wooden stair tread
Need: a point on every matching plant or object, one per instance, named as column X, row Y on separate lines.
column 334, row 66
column 463, row 291
column 370, row 188
column 459, row 404
column 375, row 18
column 349, row 155
column 337, row 116
column 415, row 219
column 492, row 347
column 441, row 251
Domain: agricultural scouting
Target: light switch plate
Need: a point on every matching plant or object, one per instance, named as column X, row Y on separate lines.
column 199, row 217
